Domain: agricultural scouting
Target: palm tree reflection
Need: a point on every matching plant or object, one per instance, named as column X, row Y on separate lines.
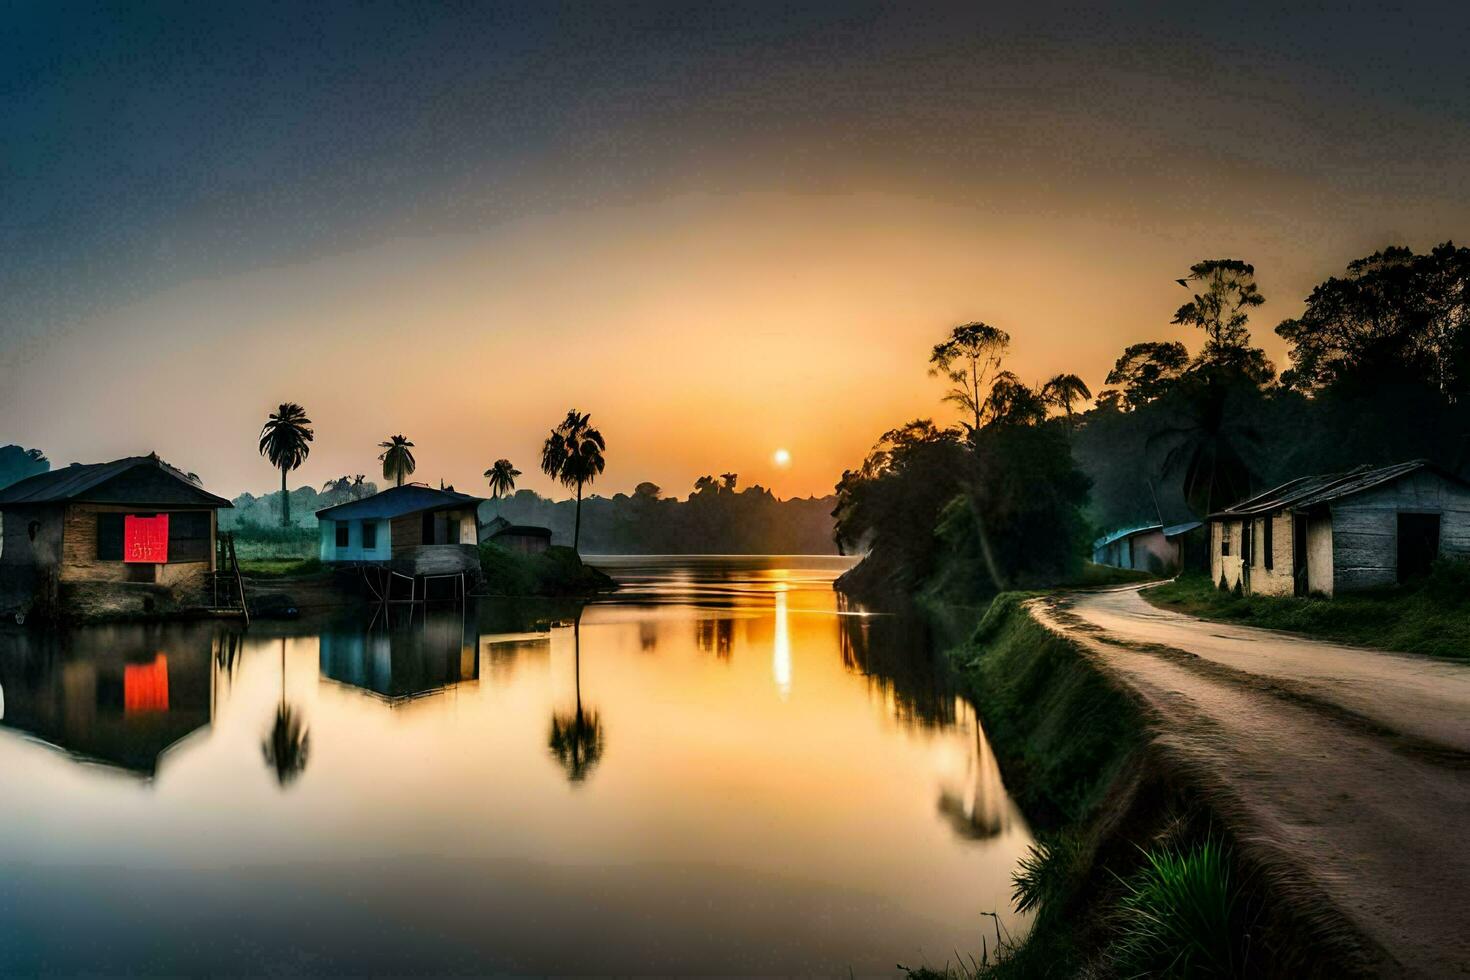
column 577, row 736
column 288, row 743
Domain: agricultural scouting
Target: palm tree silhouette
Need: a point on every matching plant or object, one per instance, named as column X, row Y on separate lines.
column 288, row 743
column 572, row 455
column 1063, row 391
column 284, row 440
column 398, row 461
column 502, row 477
column 577, row 738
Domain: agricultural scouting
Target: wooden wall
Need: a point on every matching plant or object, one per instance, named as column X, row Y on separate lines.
column 1365, row 527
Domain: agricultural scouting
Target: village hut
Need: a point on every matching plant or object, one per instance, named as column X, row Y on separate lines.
column 131, row 536
column 1157, row 548
column 415, row 530
column 1342, row 532
column 525, row 539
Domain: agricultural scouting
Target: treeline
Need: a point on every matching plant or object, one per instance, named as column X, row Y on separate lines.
column 717, row 518
column 17, row 463
column 1379, row 372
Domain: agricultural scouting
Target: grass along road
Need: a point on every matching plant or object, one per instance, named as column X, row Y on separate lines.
column 1340, row 768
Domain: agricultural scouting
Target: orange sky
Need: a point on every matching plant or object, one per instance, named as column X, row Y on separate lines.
column 720, row 233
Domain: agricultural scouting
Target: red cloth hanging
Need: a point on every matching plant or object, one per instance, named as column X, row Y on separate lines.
column 145, row 539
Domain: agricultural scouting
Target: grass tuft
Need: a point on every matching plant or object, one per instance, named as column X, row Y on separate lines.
column 1181, row 916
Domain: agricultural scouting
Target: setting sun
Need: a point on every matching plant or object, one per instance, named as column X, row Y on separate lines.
column 781, row 458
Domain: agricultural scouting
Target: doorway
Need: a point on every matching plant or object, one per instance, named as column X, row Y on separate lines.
column 1418, row 545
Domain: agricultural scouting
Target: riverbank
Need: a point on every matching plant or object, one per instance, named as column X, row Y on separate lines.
column 1140, row 863
column 1429, row 617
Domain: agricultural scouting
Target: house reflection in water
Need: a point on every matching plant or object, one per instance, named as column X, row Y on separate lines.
column 118, row 695
column 409, row 655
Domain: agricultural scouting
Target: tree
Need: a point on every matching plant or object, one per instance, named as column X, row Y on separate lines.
column 502, row 477
column 577, row 739
column 285, row 440
column 1063, row 391
column 288, row 743
column 1012, row 402
column 647, row 491
column 397, row 459
column 706, row 482
column 1222, row 311
column 970, row 358
column 1206, row 438
column 572, row 455
column 1147, row 370
column 728, row 481
column 1396, row 317
column 17, row 464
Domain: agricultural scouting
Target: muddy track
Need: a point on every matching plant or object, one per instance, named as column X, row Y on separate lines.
column 1356, row 806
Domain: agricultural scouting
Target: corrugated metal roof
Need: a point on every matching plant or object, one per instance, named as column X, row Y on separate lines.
column 1311, row 491
column 1174, row 530
column 76, row 481
column 1112, row 536
column 397, row 501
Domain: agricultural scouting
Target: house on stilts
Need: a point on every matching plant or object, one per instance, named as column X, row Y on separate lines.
column 1342, row 532
column 413, row 531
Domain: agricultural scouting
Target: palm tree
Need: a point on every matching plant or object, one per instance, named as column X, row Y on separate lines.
column 284, row 440
column 287, row 745
column 1064, row 390
column 572, row 455
column 398, row 461
column 577, row 739
column 502, row 477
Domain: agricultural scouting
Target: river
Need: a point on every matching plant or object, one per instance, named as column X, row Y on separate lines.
column 724, row 767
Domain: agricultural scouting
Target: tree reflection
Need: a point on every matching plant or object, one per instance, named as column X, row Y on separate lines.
column 288, row 743
column 897, row 654
column 577, row 737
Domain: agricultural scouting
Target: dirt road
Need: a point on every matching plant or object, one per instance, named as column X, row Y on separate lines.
column 1348, row 770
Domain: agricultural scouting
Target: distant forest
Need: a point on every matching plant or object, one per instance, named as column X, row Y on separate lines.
column 716, row 519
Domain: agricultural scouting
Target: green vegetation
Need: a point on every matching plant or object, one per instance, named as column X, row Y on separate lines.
column 1129, row 875
column 281, row 567
column 1430, row 617
column 556, row 571
column 256, row 542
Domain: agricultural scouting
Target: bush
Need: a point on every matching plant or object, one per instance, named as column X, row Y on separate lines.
column 556, row 571
column 1181, row 916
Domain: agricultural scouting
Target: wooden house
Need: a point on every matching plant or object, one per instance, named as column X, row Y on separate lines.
column 525, row 539
column 134, row 523
column 1155, row 548
column 412, row 529
column 1341, row 532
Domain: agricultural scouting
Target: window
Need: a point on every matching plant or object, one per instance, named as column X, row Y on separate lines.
column 1267, row 544
column 369, row 535
column 188, row 536
column 109, row 537
column 342, row 534
column 1246, row 529
column 1225, row 540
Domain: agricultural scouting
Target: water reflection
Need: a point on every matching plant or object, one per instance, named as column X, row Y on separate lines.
column 120, row 696
column 793, row 789
column 577, row 738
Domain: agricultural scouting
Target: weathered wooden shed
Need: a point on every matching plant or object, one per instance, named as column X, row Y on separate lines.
column 526, row 539
column 1342, row 532
column 135, row 523
column 413, row 529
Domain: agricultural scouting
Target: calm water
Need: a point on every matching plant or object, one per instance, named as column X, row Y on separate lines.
column 725, row 769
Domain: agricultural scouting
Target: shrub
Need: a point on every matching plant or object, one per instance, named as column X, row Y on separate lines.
column 1181, row 916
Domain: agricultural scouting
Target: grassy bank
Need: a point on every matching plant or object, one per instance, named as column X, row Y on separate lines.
column 555, row 572
column 1132, row 875
column 1431, row 617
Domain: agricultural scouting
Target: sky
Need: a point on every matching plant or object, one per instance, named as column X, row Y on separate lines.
column 722, row 229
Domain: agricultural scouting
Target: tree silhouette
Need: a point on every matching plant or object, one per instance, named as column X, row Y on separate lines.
column 288, row 743
column 706, row 482
column 969, row 358
column 1221, row 311
column 1147, row 370
column 502, row 476
column 572, row 455
column 1063, row 391
column 728, row 481
column 285, row 441
column 577, row 738
column 397, row 459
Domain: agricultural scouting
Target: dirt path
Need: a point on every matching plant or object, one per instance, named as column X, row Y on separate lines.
column 1337, row 766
